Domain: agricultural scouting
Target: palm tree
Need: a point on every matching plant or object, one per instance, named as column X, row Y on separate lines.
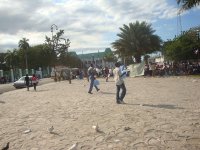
column 136, row 40
column 11, row 58
column 188, row 4
column 24, row 45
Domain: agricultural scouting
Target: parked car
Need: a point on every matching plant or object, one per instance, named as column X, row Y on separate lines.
column 21, row 82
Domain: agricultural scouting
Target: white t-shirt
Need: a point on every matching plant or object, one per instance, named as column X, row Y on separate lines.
column 117, row 74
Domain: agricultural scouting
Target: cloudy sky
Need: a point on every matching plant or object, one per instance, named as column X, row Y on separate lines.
column 91, row 25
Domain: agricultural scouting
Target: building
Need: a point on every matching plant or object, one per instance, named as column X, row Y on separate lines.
column 95, row 58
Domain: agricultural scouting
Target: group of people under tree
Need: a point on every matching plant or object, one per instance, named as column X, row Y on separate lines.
column 167, row 69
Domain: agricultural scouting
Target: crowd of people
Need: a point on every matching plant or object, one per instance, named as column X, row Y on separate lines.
column 3, row 80
column 168, row 69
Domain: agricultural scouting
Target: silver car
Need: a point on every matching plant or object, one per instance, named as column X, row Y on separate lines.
column 22, row 84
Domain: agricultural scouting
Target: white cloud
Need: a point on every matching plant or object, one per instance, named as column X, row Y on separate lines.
column 87, row 23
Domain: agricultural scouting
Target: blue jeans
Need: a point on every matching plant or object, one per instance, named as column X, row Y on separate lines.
column 92, row 84
column 123, row 93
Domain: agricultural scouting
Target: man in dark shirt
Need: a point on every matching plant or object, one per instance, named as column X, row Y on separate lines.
column 27, row 82
column 91, row 74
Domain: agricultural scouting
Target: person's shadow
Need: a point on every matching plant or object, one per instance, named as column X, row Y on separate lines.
column 2, row 102
column 165, row 106
column 107, row 92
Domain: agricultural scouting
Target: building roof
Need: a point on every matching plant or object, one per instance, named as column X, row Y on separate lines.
column 98, row 55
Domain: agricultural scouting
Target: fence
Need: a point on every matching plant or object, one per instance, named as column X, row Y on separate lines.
column 15, row 74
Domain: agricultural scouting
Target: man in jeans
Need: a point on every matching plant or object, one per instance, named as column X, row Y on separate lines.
column 91, row 74
column 119, row 84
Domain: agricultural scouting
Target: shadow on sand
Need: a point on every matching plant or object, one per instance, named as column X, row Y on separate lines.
column 165, row 106
column 38, row 90
column 2, row 102
column 107, row 93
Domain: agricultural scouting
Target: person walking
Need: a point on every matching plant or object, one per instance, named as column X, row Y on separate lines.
column 106, row 73
column 27, row 81
column 91, row 74
column 120, row 85
column 34, row 81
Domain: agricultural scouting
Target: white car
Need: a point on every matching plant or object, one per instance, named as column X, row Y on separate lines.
column 22, row 84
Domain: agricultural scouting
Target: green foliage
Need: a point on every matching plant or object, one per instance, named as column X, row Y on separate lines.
column 71, row 60
column 53, row 52
column 2, row 62
column 11, row 59
column 109, row 55
column 58, row 47
column 24, row 46
column 136, row 40
column 182, row 47
column 188, row 4
column 38, row 56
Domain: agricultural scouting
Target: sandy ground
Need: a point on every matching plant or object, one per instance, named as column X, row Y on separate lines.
column 159, row 114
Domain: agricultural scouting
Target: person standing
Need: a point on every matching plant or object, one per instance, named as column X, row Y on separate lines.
column 152, row 67
column 120, row 85
column 91, row 74
column 106, row 73
column 27, row 80
column 34, row 81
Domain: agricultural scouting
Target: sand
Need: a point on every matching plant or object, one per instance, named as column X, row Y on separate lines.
column 159, row 114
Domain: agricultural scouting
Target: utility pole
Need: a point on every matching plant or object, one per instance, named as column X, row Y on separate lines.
column 53, row 25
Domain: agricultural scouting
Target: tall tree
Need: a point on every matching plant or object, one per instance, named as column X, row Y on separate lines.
column 109, row 55
column 57, row 48
column 2, row 62
column 11, row 59
column 24, row 45
column 57, row 45
column 136, row 40
column 188, row 4
column 8, row 58
column 183, row 47
column 71, row 60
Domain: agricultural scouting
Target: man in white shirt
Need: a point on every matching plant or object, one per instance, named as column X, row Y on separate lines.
column 119, row 84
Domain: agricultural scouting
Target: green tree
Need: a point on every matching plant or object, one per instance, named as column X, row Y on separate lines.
column 12, row 59
column 35, row 58
column 182, row 47
column 58, row 50
column 109, row 55
column 72, row 60
column 2, row 62
column 8, row 59
column 136, row 40
column 58, row 46
column 24, row 46
column 188, row 4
